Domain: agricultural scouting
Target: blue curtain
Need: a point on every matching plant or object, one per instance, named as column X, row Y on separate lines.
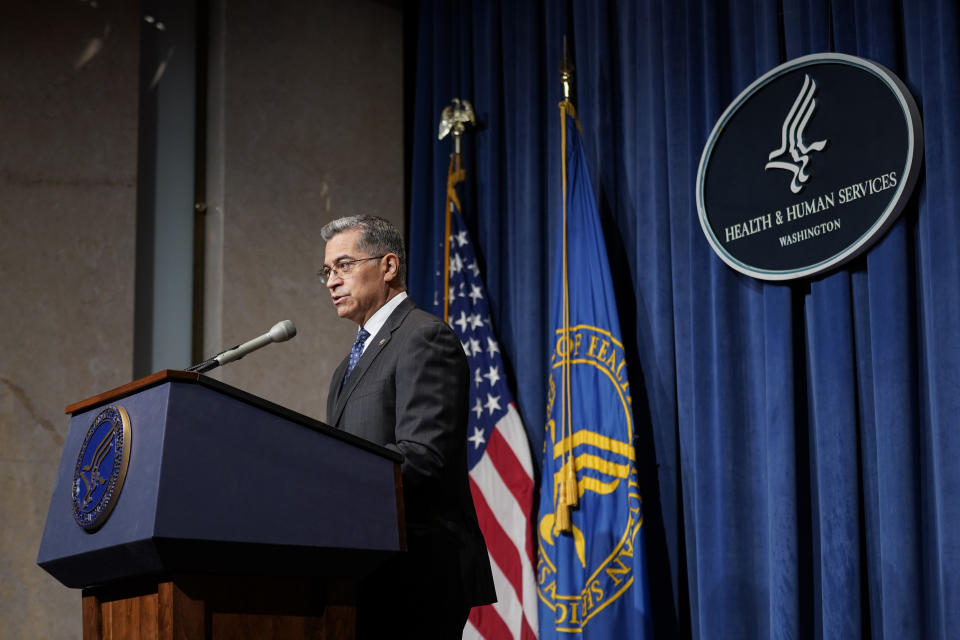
column 799, row 442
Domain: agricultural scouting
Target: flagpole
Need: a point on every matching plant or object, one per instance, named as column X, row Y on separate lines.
column 568, row 492
column 591, row 544
column 453, row 120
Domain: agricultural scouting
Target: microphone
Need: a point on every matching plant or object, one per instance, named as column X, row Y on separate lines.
column 278, row 333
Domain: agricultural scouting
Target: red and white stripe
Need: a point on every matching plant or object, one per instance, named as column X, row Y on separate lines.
column 502, row 486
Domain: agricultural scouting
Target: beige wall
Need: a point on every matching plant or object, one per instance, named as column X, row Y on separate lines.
column 306, row 125
column 67, row 205
column 309, row 128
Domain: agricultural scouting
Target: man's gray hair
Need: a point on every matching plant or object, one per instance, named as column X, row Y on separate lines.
column 377, row 237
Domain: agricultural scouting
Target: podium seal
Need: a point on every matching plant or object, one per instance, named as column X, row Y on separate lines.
column 101, row 468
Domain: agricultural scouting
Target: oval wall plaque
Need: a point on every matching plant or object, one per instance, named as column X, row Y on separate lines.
column 809, row 166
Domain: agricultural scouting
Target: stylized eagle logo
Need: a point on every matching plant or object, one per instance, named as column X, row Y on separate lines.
column 92, row 469
column 610, row 472
column 792, row 155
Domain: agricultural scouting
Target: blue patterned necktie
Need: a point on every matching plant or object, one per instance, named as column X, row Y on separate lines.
column 356, row 351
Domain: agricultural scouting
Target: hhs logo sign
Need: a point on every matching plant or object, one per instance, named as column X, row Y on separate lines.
column 809, row 166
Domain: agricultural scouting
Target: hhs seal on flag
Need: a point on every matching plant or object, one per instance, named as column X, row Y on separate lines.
column 602, row 566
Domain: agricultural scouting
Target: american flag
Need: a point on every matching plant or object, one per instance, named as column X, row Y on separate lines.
column 498, row 453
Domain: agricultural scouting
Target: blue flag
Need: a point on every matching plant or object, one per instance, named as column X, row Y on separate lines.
column 591, row 571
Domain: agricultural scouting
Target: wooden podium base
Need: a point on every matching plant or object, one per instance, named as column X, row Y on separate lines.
column 207, row 607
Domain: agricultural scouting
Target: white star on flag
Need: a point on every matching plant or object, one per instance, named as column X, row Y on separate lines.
column 462, row 322
column 474, row 347
column 493, row 403
column 492, row 375
column 476, row 293
column 477, row 438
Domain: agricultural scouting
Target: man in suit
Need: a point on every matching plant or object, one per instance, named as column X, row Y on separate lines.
column 404, row 385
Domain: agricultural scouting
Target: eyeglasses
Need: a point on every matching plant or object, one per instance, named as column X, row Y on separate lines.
column 341, row 268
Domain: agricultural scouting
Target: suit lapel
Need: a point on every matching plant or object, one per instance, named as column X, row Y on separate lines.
column 336, row 385
column 369, row 355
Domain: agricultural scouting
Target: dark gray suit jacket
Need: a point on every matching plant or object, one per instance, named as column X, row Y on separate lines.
column 409, row 392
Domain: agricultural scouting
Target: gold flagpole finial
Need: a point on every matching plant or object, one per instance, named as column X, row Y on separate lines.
column 454, row 120
column 566, row 71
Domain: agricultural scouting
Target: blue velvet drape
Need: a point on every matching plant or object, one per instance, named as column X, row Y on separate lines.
column 799, row 443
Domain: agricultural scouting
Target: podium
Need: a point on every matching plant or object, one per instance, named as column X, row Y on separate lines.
column 235, row 517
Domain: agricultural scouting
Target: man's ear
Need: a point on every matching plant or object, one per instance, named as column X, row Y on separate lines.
column 393, row 267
